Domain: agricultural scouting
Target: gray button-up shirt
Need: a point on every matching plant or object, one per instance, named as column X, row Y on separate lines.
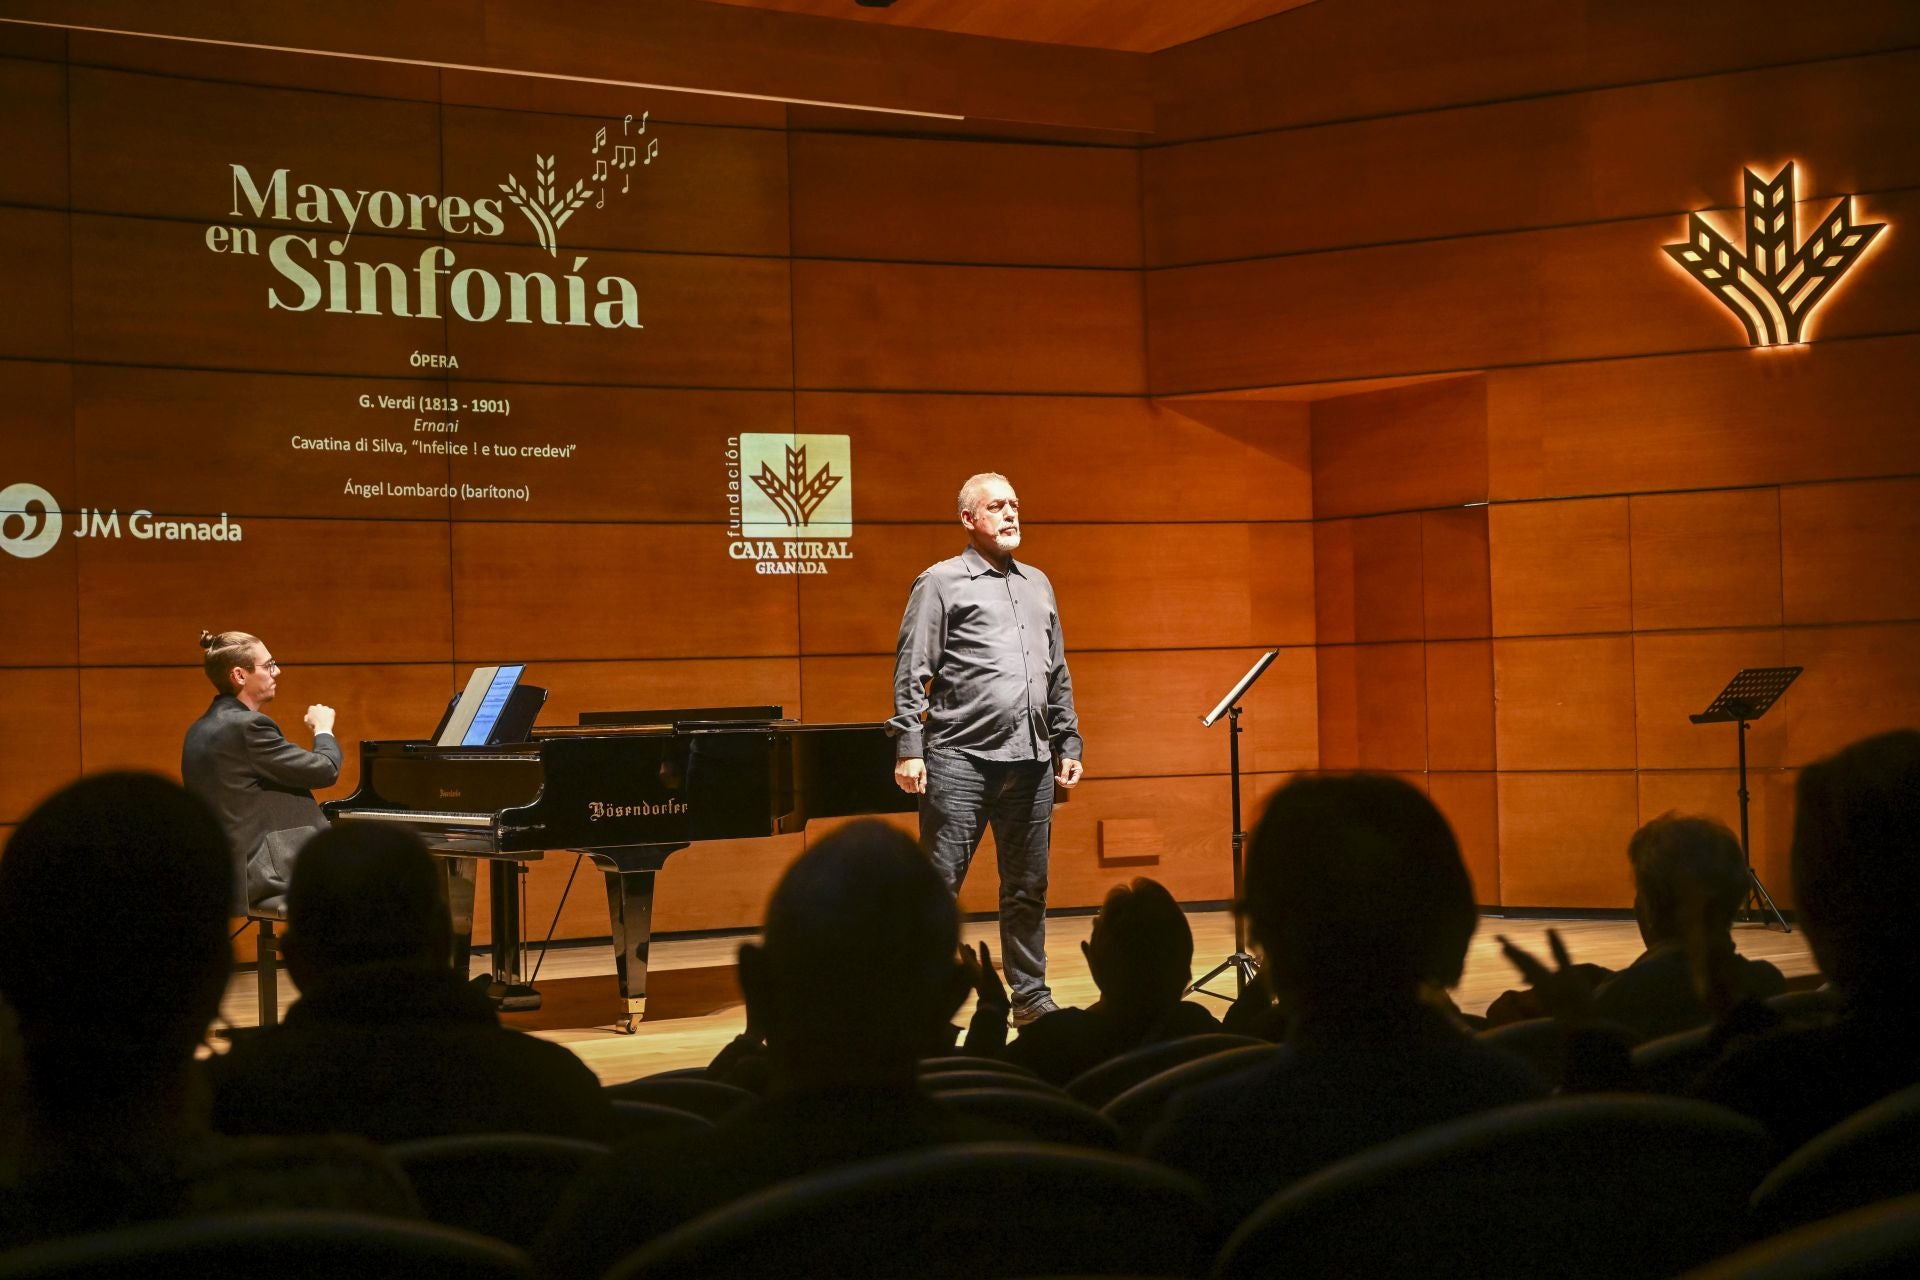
column 981, row 667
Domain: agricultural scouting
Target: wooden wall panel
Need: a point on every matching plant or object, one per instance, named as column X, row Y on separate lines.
column 1300, row 67
column 594, row 591
column 1140, row 713
column 1194, row 819
column 1367, row 578
column 1564, row 704
column 172, row 142
column 1279, row 436
column 1851, row 552
column 857, row 607
column 716, row 191
column 1650, row 148
column 1460, row 722
column 1602, row 290
column 1184, row 587
column 1387, row 592
column 205, row 310
column 36, row 423
column 1706, row 559
column 37, row 322
column 639, row 452
column 194, row 442
column 1373, row 707
column 709, row 322
column 1434, row 432
column 1560, row 567
column 39, row 735
column 33, row 132
column 933, row 200
column 1563, row 838
column 1280, row 583
column 1131, row 459
column 1831, row 410
column 251, row 66
column 910, row 327
column 1456, row 579
column 1470, row 802
column 315, row 590
column 1715, row 794
column 1859, row 681
column 716, row 47
column 1676, row 676
column 137, row 717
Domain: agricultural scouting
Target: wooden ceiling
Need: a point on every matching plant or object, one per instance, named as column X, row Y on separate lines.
column 1134, row 26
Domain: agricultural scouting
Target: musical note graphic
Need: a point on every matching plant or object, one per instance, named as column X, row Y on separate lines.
column 599, row 140
column 653, row 149
column 629, row 122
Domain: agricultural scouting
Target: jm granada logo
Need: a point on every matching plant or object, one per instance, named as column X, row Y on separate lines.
column 29, row 521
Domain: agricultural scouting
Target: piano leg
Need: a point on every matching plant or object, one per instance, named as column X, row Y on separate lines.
column 630, row 908
column 509, row 988
column 458, row 881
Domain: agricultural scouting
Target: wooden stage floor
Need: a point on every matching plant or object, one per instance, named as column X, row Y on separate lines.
column 694, row 1003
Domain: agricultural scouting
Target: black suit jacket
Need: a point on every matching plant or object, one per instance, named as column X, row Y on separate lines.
column 261, row 787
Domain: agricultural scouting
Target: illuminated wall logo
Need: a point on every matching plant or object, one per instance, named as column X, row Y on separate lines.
column 1774, row 286
column 314, row 273
column 29, row 521
column 790, row 501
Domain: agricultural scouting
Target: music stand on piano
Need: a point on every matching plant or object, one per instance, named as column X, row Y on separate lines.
column 1748, row 696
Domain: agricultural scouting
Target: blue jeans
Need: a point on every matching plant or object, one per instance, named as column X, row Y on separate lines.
column 964, row 796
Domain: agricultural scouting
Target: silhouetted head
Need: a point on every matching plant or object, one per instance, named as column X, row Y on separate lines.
column 1856, row 865
column 364, row 893
column 1687, row 872
column 858, row 969
column 1141, row 951
column 113, row 941
column 1355, row 892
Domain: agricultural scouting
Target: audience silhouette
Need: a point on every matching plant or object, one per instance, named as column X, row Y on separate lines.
column 1355, row 897
column 1358, row 901
column 1856, row 879
column 1141, row 959
column 387, row 1040
column 113, row 956
column 1689, row 881
column 855, row 980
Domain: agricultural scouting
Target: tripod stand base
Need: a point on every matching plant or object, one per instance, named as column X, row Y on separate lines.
column 1756, row 894
column 1245, row 969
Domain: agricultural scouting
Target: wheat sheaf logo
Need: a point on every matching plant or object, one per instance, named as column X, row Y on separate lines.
column 548, row 208
column 1774, row 286
column 797, row 494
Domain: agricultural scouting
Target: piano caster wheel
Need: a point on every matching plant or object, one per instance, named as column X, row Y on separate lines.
column 627, row 1025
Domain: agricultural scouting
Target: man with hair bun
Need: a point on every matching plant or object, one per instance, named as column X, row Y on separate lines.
column 259, row 784
column 984, row 722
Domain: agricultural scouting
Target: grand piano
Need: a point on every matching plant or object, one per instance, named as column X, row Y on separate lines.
column 626, row 788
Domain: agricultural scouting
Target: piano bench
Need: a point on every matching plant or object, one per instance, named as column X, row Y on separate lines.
column 267, row 962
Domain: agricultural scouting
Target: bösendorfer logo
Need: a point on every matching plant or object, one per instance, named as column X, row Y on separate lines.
column 29, row 520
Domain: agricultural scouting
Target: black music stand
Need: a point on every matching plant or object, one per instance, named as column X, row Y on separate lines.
column 1748, row 696
column 1242, row 963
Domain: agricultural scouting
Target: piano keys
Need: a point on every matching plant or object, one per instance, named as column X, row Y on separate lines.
column 625, row 788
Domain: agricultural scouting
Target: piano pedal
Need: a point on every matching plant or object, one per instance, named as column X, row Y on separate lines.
column 515, row 998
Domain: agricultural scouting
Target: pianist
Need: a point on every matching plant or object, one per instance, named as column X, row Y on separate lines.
column 259, row 784
column 984, row 722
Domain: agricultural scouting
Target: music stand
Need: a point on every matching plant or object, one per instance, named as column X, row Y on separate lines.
column 1748, row 696
column 1242, row 963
